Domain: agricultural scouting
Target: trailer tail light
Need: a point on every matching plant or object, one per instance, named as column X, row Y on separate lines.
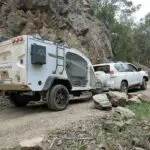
column 17, row 40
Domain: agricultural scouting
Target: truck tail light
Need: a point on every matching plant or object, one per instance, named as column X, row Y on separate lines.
column 112, row 72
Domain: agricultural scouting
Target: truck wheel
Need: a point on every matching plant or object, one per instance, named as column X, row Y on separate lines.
column 124, row 87
column 18, row 100
column 144, row 84
column 58, row 98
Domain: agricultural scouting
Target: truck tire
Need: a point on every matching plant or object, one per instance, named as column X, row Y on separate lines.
column 19, row 101
column 124, row 87
column 58, row 98
column 144, row 84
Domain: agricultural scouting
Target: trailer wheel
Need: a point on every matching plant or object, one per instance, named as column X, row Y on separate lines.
column 18, row 100
column 58, row 98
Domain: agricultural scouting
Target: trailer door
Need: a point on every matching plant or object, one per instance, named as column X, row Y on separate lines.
column 76, row 68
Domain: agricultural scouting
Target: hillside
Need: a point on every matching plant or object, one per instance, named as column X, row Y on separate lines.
column 61, row 21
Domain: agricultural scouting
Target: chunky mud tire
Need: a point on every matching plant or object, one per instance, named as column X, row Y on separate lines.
column 124, row 87
column 144, row 84
column 58, row 98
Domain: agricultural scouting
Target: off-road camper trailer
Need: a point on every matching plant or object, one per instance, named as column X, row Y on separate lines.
column 32, row 69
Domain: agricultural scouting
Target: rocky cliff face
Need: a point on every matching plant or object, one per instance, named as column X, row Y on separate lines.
column 68, row 21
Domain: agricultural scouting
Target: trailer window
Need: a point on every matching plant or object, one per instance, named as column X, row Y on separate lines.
column 76, row 68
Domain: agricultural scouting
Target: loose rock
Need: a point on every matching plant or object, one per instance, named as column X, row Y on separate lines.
column 34, row 143
column 131, row 95
column 135, row 141
column 102, row 102
column 144, row 98
column 134, row 100
column 125, row 112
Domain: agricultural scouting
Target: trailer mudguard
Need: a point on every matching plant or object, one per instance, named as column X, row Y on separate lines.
column 55, row 80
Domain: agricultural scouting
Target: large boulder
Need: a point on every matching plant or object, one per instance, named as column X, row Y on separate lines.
column 117, row 98
column 102, row 102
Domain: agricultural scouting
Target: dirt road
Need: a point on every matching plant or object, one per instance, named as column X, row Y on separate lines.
column 34, row 121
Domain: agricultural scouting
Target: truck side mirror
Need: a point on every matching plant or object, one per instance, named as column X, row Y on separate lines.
column 139, row 69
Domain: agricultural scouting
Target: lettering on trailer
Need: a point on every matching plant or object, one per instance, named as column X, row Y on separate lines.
column 5, row 66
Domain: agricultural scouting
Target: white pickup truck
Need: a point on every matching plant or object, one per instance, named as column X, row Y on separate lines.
column 121, row 76
column 33, row 69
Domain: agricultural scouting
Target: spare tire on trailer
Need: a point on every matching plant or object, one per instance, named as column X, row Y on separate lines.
column 58, row 98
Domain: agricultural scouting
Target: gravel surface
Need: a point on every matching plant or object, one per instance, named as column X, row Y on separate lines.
column 17, row 124
column 5, row 103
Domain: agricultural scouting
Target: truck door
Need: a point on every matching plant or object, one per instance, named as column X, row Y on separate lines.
column 129, row 74
column 76, row 68
column 136, row 74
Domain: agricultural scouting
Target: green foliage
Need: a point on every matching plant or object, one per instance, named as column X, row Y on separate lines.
column 123, row 44
column 141, row 111
column 76, row 144
column 14, row 32
column 116, row 15
column 142, row 38
column 103, row 10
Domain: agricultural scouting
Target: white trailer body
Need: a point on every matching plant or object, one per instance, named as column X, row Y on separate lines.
column 29, row 63
column 17, row 72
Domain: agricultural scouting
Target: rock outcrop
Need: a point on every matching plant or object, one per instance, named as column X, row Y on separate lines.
column 68, row 21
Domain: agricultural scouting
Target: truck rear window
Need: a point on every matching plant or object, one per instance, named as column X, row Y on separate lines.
column 105, row 68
